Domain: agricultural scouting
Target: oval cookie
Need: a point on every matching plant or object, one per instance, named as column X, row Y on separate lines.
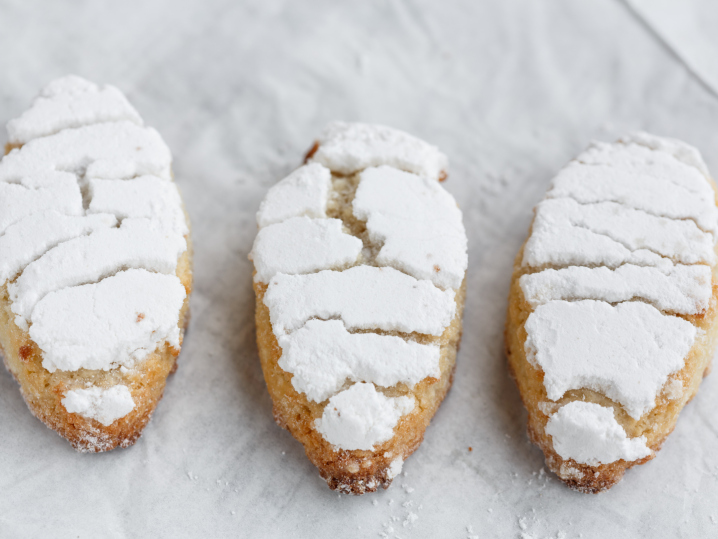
column 95, row 263
column 612, row 310
column 360, row 266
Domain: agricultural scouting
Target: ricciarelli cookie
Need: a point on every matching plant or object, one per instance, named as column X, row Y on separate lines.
column 612, row 310
column 95, row 264
column 360, row 265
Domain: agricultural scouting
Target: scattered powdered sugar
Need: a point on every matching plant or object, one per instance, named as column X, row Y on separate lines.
column 303, row 193
column 681, row 289
column 35, row 234
column 114, row 322
column 626, row 352
column 103, row 405
column 49, row 190
column 86, row 259
column 416, row 221
column 360, row 417
column 347, row 148
column 105, row 150
column 147, row 196
column 70, row 102
column 302, row 245
column 363, row 297
column 322, row 355
column 589, row 434
column 606, row 233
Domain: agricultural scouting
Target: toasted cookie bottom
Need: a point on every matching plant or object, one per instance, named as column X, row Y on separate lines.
column 656, row 425
column 43, row 391
column 357, row 471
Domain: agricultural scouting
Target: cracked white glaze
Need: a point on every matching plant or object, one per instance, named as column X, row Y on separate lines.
column 115, row 322
column 361, row 417
column 103, row 405
column 626, row 352
column 679, row 289
column 70, row 102
column 589, row 434
column 350, row 147
column 323, row 355
column 416, row 222
column 363, row 297
column 302, row 245
column 303, row 193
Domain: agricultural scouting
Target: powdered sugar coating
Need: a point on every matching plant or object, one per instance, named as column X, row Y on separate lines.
column 108, row 324
column 302, row 245
column 566, row 233
column 361, row 417
column 32, row 236
column 363, row 297
column 685, row 153
column 638, row 177
column 416, row 221
column 303, row 193
column 106, row 150
column 87, row 259
column 323, row 355
column 626, row 352
column 589, row 434
column 146, row 196
column 36, row 193
column 680, row 289
column 347, row 148
column 103, row 405
column 70, row 102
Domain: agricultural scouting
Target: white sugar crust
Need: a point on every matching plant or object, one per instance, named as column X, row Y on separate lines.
column 146, row 196
column 567, row 233
column 682, row 151
column 138, row 243
column 303, row 245
column 108, row 324
column 303, row 193
column 323, row 355
column 626, row 352
column 347, row 148
column 680, row 289
column 107, row 150
column 103, row 405
column 416, row 221
column 360, row 417
column 70, row 102
column 589, row 434
column 50, row 190
column 639, row 177
column 363, row 297
column 32, row 236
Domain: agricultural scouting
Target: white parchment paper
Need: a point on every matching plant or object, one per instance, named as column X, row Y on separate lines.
column 510, row 90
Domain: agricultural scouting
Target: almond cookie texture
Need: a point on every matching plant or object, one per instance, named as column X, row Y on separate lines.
column 360, row 264
column 95, row 264
column 612, row 310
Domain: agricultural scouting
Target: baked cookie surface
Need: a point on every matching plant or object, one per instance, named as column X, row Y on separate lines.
column 360, row 265
column 612, row 309
column 95, row 264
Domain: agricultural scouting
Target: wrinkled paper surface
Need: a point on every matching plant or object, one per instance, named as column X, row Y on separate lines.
column 511, row 91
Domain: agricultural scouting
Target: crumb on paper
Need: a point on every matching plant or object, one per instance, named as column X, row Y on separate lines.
column 410, row 518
